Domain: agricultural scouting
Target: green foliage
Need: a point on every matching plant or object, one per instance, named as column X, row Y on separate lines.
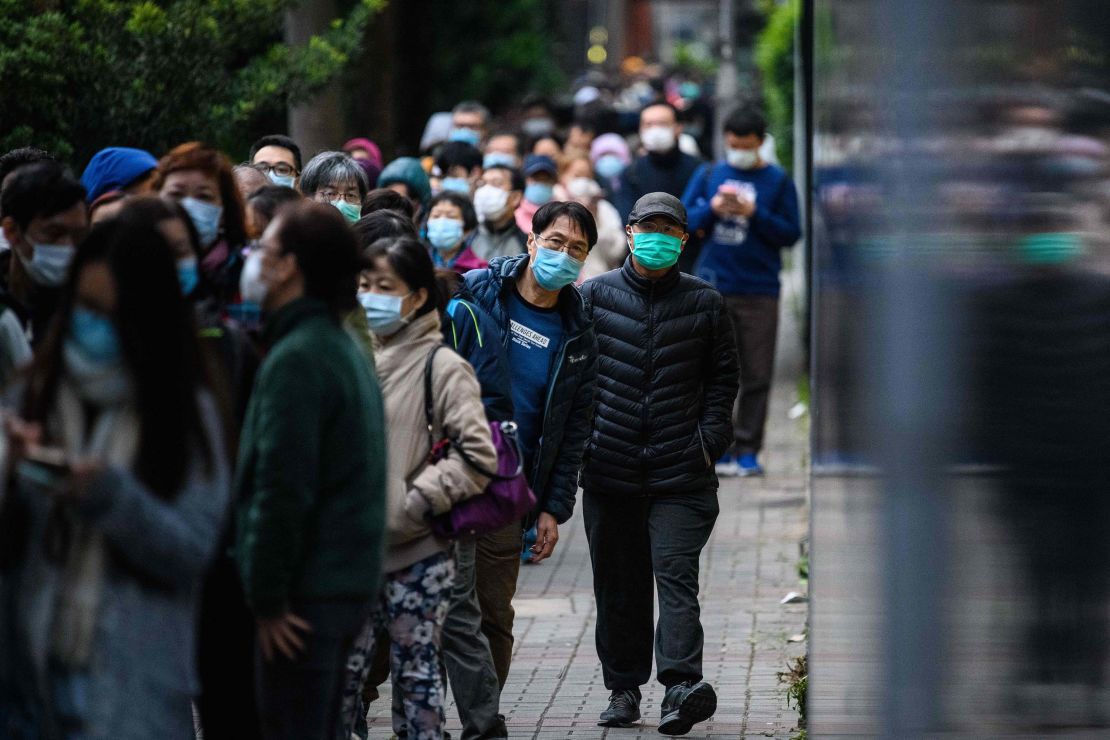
column 491, row 50
column 774, row 55
column 796, row 678
column 81, row 75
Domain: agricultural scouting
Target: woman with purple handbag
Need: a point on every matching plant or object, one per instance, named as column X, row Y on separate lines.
column 402, row 304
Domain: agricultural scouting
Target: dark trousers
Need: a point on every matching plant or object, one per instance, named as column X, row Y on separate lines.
column 755, row 325
column 300, row 699
column 637, row 544
column 497, row 565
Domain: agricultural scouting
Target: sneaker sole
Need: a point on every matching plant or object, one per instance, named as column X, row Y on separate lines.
column 744, row 473
column 614, row 723
column 698, row 706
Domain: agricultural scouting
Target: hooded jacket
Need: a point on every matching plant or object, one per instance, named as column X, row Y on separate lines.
column 415, row 490
column 570, row 398
column 667, row 381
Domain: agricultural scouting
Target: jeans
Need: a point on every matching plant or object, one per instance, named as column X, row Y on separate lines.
column 299, row 699
column 636, row 543
column 497, row 567
column 755, row 325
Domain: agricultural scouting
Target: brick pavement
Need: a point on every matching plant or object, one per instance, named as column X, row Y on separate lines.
column 555, row 688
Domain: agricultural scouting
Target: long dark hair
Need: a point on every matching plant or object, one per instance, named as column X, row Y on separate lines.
column 159, row 346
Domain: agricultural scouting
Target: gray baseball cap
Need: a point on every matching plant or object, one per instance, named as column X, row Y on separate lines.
column 658, row 204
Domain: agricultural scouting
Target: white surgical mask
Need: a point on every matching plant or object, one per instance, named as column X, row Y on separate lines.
column 583, row 187
column 49, row 263
column 251, row 287
column 658, row 139
column 206, row 219
column 490, row 202
column 742, row 159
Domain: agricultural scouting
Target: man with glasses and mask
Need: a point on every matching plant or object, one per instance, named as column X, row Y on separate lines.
column 552, row 354
column 277, row 157
column 336, row 178
column 666, row 383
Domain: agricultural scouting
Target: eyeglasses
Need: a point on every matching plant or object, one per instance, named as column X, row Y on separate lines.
column 281, row 169
column 351, row 196
column 650, row 227
column 577, row 251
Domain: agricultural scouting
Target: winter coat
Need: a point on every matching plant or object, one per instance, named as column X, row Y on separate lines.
column 667, row 381
column 416, row 490
column 570, row 399
column 311, row 475
column 470, row 331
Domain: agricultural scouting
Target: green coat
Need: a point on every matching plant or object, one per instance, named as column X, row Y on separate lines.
column 311, row 475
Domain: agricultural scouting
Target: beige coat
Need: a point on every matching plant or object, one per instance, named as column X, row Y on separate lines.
column 413, row 488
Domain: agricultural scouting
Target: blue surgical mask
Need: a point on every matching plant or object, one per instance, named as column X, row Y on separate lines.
column 49, row 263
column 609, row 166
column 539, row 193
column 383, row 312
column 499, row 159
column 555, row 270
column 187, row 274
column 456, row 185
column 285, row 181
column 351, row 211
column 206, row 219
column 445, row 233
column 94, row 335
column 467, row 135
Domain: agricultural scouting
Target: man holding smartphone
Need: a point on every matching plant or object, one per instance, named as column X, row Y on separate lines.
column 748, row 210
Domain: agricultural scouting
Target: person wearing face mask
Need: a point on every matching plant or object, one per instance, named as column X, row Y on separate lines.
column 609, row 155
column 499, row 193
column 540, row 175
column 118, row 447
column 666, row 384
column 459, row 165
column 552, row 354
column 502, row 149
column 469, row 123
column 199, row 177
column 336, row 179
column 278, row 158
column 311, row 478
column 44, row 219
column 449, row 231
column 403, row 306
column 577, row 183
column 748, row 211
column 663, row 168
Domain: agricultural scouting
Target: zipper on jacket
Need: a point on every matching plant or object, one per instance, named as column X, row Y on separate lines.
column 644, row 433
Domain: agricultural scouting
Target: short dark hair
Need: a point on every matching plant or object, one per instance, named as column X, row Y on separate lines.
column 386, row 199
column 409, row 258
column 746, row 120
column 663, row 104
column 470, row 218
column 326, row 252
column 516, row 177
column 458, row 154
column 269, row 199
column 278, row 140
column 551, row 212
column 508, row 132
column 9, row 161
column 383, row 224
column 41, row 189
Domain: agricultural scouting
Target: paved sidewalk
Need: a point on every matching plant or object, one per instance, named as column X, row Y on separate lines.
column 555, row 688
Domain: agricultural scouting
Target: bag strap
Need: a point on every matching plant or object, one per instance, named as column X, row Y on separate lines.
column 429, row 404
column 451, row 305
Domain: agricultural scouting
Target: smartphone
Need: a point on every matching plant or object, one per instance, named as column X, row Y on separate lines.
column 45, row 468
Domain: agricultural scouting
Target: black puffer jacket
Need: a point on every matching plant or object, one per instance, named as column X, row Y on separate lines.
column 570, row 398
column 667, row 380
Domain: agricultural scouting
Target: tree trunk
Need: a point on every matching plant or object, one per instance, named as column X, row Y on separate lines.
column 318, row 124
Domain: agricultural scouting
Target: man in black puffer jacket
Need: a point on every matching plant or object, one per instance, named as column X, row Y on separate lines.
column 667, row 380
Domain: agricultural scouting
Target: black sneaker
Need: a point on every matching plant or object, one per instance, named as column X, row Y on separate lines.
column 624, row 709
column 685, row 705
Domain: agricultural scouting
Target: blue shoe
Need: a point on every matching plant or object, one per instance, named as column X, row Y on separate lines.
column 749, row 466
column 726, row 467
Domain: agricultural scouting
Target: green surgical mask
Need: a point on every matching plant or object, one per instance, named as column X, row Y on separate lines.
column 656, row 251
column 350, row 211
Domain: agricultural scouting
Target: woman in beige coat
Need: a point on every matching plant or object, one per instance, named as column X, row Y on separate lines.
column 403, row 308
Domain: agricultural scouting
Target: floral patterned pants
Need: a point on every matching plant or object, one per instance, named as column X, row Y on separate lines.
column 412, row 610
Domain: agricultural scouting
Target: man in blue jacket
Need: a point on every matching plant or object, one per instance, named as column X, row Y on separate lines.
column 552, row 353
column 748, row 211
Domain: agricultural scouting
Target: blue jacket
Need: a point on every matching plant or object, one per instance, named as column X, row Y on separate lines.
column 568, row 412
column 471, row 332
column 743, row 256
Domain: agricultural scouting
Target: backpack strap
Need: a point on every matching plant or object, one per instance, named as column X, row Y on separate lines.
column 451, row 306
column 429, row 402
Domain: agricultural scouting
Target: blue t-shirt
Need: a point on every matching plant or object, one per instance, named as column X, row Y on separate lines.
column 535, row 338
column 741, row 256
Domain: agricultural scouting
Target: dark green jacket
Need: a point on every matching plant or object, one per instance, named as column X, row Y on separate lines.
column 311, row 474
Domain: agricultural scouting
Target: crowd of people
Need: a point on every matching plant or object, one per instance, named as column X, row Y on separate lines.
column 278, row 431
